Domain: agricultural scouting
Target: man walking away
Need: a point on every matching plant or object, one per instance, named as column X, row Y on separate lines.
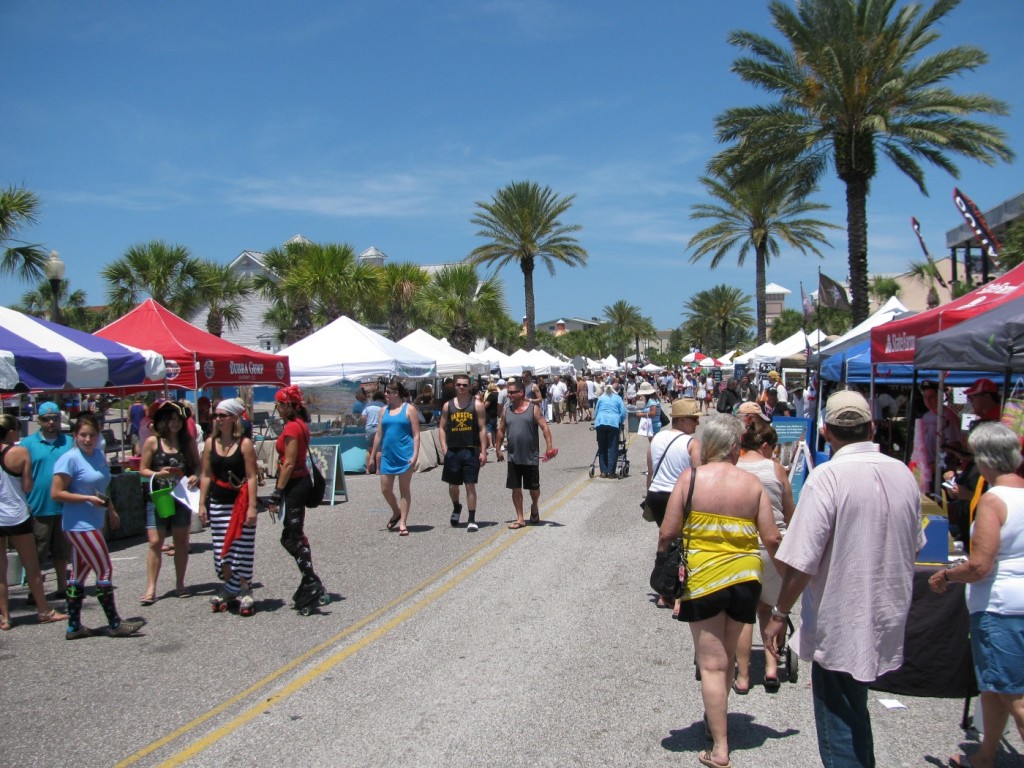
column 852, row 543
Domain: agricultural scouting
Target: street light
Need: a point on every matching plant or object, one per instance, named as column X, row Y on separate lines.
column 55, row 274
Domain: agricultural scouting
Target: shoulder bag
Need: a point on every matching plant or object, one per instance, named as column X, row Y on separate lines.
column 670, row 573
column 648, row 515
column 318, row 488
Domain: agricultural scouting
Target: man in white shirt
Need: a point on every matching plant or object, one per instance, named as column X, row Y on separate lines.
column 558, row 393
column 851, row 543
column 780, row 389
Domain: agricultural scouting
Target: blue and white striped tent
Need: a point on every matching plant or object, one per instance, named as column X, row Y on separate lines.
column 38, row 354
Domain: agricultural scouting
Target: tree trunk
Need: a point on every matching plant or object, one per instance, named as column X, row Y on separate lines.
column 760, row 258
column 857, row 237
column 531, row 330
column 637, row 340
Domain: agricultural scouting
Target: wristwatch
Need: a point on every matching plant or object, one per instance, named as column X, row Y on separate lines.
column 781, row 615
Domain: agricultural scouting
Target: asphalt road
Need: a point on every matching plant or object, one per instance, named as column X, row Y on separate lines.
column 540, row 647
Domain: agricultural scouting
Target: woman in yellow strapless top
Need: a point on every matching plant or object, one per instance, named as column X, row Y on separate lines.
column 728, row 510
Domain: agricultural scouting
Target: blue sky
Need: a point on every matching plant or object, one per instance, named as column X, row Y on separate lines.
column 231, row 126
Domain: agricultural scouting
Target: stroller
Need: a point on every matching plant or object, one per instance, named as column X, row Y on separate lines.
column 622, row 463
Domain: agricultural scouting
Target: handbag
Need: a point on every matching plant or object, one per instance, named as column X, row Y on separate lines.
column 318, row 488
column 670, row 573
column 648, row 515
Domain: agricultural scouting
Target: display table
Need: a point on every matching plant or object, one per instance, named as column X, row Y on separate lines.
column 937, row 660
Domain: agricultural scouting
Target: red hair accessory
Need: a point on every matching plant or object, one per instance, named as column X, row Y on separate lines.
column 291, row 395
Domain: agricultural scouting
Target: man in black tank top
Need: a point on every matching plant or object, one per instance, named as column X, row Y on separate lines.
column 463, row 433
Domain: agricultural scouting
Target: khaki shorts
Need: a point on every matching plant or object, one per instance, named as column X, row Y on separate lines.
column 50, row 538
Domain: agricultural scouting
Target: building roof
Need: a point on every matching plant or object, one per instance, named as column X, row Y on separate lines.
column 776, row 289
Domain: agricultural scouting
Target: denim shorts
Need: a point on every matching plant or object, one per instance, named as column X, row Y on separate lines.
column 997, row 642
column 182, row 517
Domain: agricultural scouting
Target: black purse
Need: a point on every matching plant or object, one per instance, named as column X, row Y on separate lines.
column 670, row 573
column 318, row 487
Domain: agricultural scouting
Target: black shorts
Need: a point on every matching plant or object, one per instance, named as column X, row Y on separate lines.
column 658, row 502
column 461, row 465
column 523, row 476
column 739, row 601
column 18, row 529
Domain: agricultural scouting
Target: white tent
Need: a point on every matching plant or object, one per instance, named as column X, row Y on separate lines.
column 449, row 360
column 524, row 360
column 610, row 363
column 892, row 309
column 796, row 343
column 495, row 357
column 652, row 368
column 762, row 351
column 554, row 364
column 347, row 351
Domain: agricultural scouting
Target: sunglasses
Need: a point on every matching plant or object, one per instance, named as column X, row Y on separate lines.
column 49, row 418
column 515, row 392
column 462, row 386
column 221, row 415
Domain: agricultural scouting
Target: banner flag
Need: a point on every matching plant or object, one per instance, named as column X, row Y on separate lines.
column 831, row 294
column 978, row 225
column 917, row 230
column 808, row 307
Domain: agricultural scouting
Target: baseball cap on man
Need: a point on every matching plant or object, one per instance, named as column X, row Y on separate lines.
column 982, row 386
column 847, row 409
column 752, row 409
column 48, row 409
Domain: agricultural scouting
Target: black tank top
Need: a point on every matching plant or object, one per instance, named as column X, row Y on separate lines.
column 221, row 466
column 163, row 459
column 463, row 430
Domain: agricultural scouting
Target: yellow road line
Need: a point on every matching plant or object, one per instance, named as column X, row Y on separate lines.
column 338, row 657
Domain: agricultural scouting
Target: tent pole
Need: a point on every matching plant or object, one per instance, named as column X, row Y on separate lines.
column 910, row 420
column 939, row 436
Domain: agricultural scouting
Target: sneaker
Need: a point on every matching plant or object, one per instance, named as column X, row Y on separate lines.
column 126, row 627
column 78, row 633
column 472, row 527
column 456, row 514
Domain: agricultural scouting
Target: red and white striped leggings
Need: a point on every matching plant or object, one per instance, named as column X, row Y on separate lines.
column 89, row 553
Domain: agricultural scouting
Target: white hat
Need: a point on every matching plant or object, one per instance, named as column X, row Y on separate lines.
column 501, row 382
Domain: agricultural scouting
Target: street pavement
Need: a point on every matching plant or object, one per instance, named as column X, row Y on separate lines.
column 539, row 647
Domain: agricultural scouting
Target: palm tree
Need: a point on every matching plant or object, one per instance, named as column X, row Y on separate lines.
column 400, row 285
column 73, row 310
column 882, row 288
column 18, row 208
column 222, row 291
column 522, row 226
column 722, row 311
column 168, row 274
column 313, row 284
column 851, row 83
column 786, row 324
column 627, row 319
column 926, row 272
column 460, row 304
column 757, row 211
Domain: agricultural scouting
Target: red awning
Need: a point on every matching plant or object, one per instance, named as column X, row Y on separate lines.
column 896, row 341
column 195, row 359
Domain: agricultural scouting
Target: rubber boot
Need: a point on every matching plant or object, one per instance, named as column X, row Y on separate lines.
column 74, row 596
column 118, row 628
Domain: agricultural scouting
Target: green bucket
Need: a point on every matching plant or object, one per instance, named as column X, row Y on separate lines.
column 163, row 501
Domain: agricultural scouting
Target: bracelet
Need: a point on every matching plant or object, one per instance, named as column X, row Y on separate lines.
column 777, row 614
column 945, row 573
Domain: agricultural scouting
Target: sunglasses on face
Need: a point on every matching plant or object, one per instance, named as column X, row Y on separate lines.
column 221, row 415
column 462, row 386
column 515, row 392
column 49, row 418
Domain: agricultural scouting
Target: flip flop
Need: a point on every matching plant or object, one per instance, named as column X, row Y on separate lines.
column 739, row 691
column 392, row 523
column 771, row 684
column 5, row 624
column 705, row 759
column 534, row 519
column 183, row 592
column 517, row 525
column 147, row 600
column 403, row 531
column 51, row 616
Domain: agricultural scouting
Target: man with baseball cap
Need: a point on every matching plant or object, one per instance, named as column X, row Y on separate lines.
column 852, row 543
column 45, row 446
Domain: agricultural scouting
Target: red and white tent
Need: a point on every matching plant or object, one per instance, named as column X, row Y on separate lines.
column 896, row 341
column 194, row 358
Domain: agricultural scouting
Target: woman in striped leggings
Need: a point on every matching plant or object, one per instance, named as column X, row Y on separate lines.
column 227, row 501
column 80, row 480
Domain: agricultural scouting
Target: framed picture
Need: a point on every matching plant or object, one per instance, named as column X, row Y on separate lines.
column 327, row 453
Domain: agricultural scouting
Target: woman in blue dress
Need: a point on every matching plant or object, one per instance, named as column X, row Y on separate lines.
column 396, row 449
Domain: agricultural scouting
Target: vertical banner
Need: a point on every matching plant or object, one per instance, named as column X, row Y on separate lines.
column 795, row 435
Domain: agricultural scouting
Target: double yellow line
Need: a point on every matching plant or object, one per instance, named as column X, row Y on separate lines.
column 448, row 582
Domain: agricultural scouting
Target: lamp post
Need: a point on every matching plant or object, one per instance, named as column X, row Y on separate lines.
column 55, row 274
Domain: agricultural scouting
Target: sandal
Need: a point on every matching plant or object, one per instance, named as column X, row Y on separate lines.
column 5, row 623
column 182, row 592
column 517, row 525
column 394, row 521
column 403, row 531
column 147, row 600
column 705, row 759
column 51, row 616
column 535, row 519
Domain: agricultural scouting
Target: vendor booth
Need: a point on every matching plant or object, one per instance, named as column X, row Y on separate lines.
column 449, row 360
column 195, row 359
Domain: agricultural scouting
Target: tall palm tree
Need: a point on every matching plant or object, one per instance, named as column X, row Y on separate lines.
column 313, row 284
column 721, row 311
column 756, row 211
column 883, row 288
column 851, row 83
column 523, row 227
column 18, row 208
column 168, row 274
column 400, row 285
column 73, row 310
column 630, row 322
column 222, row 292
column 460, row 305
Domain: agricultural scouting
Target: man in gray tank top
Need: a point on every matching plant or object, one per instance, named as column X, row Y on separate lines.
column 522, row 422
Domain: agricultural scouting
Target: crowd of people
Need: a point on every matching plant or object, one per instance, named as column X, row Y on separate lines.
column 847, row 548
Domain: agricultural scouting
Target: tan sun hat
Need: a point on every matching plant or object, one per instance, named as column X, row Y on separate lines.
column 847, row 409
column 685, row 406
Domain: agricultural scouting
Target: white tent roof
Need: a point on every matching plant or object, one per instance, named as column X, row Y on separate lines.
column 796, row 343
column 555, row 365
column 891, row 309
column 652, row 368
column 523, row 359
column 762, row 351
column 449, row 360
column 347, row 351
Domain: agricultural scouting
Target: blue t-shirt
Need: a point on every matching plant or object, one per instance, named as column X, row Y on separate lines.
column 89, row 475
column 44, row 455
column 656, row 421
